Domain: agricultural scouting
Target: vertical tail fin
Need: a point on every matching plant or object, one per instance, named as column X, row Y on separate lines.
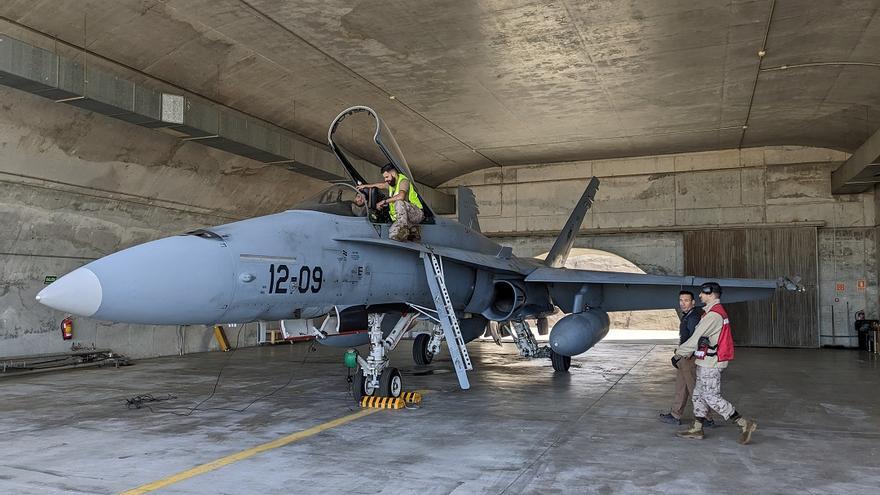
column 468, row 211
column 559, row 253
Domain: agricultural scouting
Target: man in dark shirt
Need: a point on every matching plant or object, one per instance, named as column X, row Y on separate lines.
column 686, row 377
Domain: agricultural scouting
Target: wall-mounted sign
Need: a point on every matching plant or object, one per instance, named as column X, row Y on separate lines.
column 862, row 285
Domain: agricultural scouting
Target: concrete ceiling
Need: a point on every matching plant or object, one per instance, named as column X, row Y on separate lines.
column 491, row 82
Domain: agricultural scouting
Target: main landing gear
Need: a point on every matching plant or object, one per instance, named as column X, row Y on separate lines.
column 528, row 346
column 426, row 346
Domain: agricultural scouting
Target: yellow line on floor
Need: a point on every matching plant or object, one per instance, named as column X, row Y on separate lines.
column 244, row 454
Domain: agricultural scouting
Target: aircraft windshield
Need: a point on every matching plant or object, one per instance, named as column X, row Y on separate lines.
column 339, row 199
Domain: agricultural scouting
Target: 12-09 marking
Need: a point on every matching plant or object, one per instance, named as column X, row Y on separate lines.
column 310, row 279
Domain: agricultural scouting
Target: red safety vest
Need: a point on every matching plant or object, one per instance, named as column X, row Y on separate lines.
column 724, row 348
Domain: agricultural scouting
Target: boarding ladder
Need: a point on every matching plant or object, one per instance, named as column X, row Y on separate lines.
column 446, row 315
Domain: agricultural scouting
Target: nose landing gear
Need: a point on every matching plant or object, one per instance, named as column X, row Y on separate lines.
column 375, row 376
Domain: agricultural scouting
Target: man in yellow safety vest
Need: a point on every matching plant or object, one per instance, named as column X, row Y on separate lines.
column 403, row 204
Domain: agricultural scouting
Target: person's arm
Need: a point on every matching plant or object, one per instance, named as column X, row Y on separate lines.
column 377, row 185
column 690, row 346
column 401, row 194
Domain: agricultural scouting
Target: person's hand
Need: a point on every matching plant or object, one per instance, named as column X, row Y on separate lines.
column 361, row 187
column 675, row 360
column 380, row 204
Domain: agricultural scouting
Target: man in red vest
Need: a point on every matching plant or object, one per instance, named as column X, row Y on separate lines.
column 712, row 346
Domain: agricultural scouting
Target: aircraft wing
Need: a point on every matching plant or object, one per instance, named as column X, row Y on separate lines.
column 503, row 261
column 616, row 291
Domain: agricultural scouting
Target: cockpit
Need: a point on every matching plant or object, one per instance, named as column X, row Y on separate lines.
column 338, row 199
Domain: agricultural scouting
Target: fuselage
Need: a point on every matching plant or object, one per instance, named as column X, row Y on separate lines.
column 280, row 266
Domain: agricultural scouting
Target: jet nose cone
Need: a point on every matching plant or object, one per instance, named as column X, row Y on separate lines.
column 79, row 292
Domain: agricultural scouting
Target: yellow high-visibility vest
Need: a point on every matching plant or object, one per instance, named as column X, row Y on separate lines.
column 412, row 197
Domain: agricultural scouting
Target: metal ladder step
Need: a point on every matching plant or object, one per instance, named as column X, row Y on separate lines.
column 448, row 321
column 450, row 311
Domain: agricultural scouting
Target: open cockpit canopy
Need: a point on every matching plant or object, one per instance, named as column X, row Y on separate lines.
column 382, row 138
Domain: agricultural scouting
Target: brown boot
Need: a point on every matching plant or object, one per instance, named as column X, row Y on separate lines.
column 415, row 234
column 695, row 431
column 401, row 235
column 748, row 427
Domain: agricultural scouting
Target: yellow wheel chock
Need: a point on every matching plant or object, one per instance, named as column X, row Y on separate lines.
column 375, row 402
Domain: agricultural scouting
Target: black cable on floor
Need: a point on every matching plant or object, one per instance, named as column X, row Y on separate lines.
column 138, row 401
column 311, row 348
column 197, row 407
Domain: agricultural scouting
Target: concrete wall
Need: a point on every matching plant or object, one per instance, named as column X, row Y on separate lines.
column 644, row 204
column 846, row 256
column 75, row 186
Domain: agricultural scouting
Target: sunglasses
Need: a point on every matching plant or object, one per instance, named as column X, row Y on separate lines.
column 706, row 290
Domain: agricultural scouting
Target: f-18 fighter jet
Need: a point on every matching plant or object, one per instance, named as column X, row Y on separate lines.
column 327, row 267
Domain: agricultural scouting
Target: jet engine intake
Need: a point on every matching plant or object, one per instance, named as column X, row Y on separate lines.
column 507, row 297
column 577, row 333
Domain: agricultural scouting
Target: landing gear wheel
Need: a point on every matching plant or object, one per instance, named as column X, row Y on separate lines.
column 359, row 387
column 390, row 383
column 421, row 354
column 543, row 326
column 560, row 363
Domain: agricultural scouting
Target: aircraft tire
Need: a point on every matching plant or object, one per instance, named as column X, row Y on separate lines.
column 357, row 386
column 543, row 326
column 421, row 356
column 560, row 363
column 390, row 383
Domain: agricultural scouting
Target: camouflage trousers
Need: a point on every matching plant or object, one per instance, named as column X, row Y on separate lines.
column 707, row 394
column 408, row 215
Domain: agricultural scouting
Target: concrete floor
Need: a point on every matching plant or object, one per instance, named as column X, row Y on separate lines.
column 520, row 429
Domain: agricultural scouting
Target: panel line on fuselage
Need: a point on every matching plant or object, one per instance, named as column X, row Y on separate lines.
column 265, row 257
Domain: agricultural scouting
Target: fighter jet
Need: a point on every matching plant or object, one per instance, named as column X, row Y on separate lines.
column 329, row 267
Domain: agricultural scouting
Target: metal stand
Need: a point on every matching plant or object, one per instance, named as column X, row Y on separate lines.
column 447, row 319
